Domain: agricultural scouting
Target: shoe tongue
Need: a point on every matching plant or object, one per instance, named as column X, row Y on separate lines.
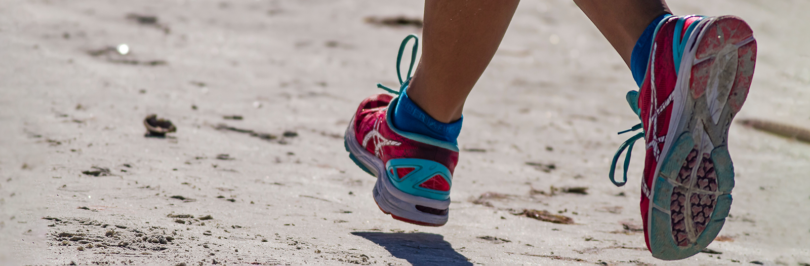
column 632, row 99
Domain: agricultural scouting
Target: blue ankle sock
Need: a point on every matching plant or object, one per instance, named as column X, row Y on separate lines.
column 409, row 117
column 641, row 52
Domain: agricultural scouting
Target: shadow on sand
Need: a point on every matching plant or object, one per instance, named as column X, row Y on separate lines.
column 417, row 248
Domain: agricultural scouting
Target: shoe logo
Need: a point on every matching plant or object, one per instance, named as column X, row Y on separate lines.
column 378, row 140
column 655, row 110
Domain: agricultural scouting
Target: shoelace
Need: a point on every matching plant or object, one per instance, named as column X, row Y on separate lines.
column 632, row 99
column 403, row 83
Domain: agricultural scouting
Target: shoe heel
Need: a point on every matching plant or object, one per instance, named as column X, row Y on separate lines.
column 677, row 192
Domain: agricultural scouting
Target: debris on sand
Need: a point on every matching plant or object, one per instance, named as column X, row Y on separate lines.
column 547, row 168
column 546, row 216
column 789, row 131
column 53, row 143
column 553, row 191
column 313, row 197
column 232, row 117
column 207, row 217
column 184, row 199
column 263, row 136
column 148, row 20
column 234, row 129
column 484, row 198
column 224, row 156
column 495, row 240
column 724, row 239
column 290, row 134
column 710, row 251
column 121, row 54
column 630, row 226
column 156, row 127
column 97, row 171
column 554, row 257
column 475, row 150
column 397, row 21
column 534, row 191
column 576, row 190
column 143, row 19
column 611, row 209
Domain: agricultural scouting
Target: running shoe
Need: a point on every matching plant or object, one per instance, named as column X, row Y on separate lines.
column 414, row 172
column 697, row 79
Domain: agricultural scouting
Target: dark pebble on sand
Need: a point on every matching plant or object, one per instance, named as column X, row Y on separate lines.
column 290, row 134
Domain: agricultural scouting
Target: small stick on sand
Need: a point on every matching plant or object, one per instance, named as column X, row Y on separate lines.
column 789, row 131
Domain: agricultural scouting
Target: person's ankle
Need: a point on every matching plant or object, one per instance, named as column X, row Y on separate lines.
column 409, row 117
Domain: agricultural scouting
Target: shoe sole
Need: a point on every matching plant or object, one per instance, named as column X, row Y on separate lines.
column 691, row 190
column 389, row 199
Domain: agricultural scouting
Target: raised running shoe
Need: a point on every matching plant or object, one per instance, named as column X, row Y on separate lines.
column 697, row 78
column 414, row 172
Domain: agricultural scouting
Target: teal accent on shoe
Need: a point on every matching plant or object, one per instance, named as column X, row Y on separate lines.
column 663, row 193
column 662, row 244
column 632, row 99
column 723, row 168
column 414, row 136
column 677, row 155
column 360, row 164
column 679, row 40
column 424, row 170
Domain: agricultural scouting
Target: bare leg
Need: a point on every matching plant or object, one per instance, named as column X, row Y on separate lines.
column 622, row 21
column 460, row 39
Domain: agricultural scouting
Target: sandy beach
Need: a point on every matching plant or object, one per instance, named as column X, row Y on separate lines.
column 261, row 92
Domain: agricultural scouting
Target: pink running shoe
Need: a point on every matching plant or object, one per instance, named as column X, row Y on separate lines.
column 414, row 172
column 697, row 79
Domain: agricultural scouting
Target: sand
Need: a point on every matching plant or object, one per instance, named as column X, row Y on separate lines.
column 553, row 95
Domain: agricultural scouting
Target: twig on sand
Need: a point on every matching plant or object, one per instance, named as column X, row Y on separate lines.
column 553, row 257
column 784, row 130
column 546, row 216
